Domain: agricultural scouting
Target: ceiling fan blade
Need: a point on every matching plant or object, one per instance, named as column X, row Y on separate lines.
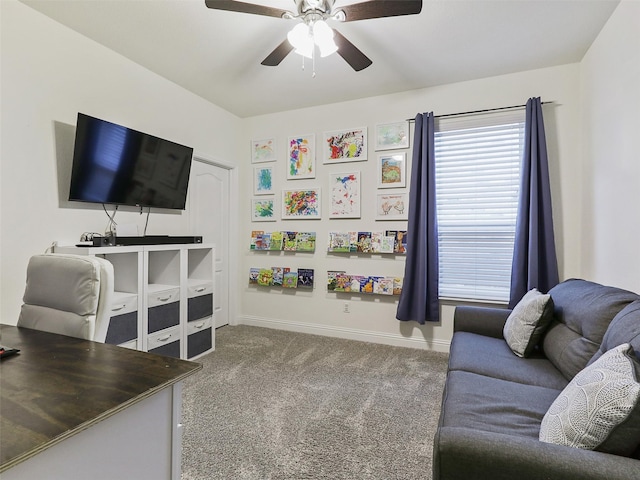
column 275, row 57
column 380, row 8
column 351, row 54
column 243, row 7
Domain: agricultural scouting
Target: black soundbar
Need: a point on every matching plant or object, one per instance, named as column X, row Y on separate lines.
column 146, row 240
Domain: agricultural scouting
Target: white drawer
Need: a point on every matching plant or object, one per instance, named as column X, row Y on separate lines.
column 197, row 288
column 196, row 326
column 162, row 297
column 123, row 303
column 163, row 337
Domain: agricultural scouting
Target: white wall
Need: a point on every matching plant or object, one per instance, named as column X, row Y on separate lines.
column 373, row 317
column 49, row 74
column 610, row 79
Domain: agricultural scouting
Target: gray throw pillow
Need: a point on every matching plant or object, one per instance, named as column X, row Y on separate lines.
column 600, row 408
column 527, row 322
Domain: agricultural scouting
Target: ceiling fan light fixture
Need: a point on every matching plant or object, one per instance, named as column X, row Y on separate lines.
column 300, row 38
column 323, row 38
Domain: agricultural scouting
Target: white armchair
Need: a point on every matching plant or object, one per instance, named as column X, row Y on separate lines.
column 68, row 294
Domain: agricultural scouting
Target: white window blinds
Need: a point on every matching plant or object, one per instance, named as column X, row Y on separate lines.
column 477, row 181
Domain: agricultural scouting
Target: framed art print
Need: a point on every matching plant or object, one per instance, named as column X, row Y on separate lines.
column 344, row 193
column 301, row 157
column 301, row 204
column 392, row 136
column 262, row 209
column 392, row 206
column 391, row 170
column 345, row 145
column 263, row 150
column 262, row 180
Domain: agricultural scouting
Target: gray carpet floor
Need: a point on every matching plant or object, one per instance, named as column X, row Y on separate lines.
column 271, row 404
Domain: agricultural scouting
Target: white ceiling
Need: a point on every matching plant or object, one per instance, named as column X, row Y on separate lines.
column 217, row 54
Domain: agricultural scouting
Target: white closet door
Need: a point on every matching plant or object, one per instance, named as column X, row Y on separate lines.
column 209, row 207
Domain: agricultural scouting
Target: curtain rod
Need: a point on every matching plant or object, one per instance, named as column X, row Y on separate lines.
column 487, row 110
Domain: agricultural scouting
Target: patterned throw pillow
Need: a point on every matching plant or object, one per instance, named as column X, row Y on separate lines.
column 527, row 322
column 600, row 408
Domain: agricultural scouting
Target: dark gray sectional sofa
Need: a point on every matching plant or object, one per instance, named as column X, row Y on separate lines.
column 494, row 401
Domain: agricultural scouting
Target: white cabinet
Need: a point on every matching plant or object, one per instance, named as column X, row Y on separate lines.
column 163, row 301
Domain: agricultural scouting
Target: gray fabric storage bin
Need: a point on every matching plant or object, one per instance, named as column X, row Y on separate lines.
column 200, row 307
column 122, row 328
column 163, row 316
column 169, row 350
column 199, row 342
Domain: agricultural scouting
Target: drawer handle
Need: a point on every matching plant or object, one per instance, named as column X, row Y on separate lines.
column 200, row 325
column 165, row 338
column 116, row 309
column 200, row 289
column 163, row 299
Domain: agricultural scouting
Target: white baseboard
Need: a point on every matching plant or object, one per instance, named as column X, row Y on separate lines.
column 395, row 340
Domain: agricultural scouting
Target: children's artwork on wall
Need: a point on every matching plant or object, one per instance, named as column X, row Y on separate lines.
column 345, row 195
column 263, row 150
column 392, row 206
column 301, row 157
column 262, row 180
column 392, row 170
column 391, row 136
column 262, row 209
column 345, row 145
column 301, row 204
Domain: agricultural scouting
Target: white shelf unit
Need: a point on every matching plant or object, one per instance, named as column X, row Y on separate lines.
column 163, row 301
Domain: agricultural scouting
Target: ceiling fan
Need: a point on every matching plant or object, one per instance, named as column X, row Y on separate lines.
column 314, row 31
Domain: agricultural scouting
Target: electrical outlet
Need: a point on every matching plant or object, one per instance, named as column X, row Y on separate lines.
column 345, row 307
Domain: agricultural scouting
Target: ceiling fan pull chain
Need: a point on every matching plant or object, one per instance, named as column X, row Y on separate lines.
column 313, row 62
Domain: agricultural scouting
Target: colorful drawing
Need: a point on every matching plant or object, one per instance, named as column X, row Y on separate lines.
column 301, row 204
column 263, row 150
column 390, row 136
column 301, row 157
column 345, row 195
column 262, row 180
column 262, row 210
column 392, row 171
column 392, row 206
column 345, row 146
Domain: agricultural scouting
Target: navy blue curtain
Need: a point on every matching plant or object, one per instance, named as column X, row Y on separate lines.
column 535, row 263
column 419, row 297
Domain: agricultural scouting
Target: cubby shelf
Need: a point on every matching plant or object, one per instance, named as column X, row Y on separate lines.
column 163, row 300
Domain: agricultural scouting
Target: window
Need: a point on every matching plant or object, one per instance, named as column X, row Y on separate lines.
column 477, row 181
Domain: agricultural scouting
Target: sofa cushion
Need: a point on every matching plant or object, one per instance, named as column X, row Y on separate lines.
column 583, row 311
column 600, row 408
column 624, row 328
column 527, row 322
column 492, row 357
column 489, row 404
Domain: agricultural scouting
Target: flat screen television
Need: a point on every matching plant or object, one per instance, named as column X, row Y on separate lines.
column 113, row 164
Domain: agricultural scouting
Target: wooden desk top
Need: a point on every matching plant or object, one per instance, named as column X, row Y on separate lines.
column 58, row 386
